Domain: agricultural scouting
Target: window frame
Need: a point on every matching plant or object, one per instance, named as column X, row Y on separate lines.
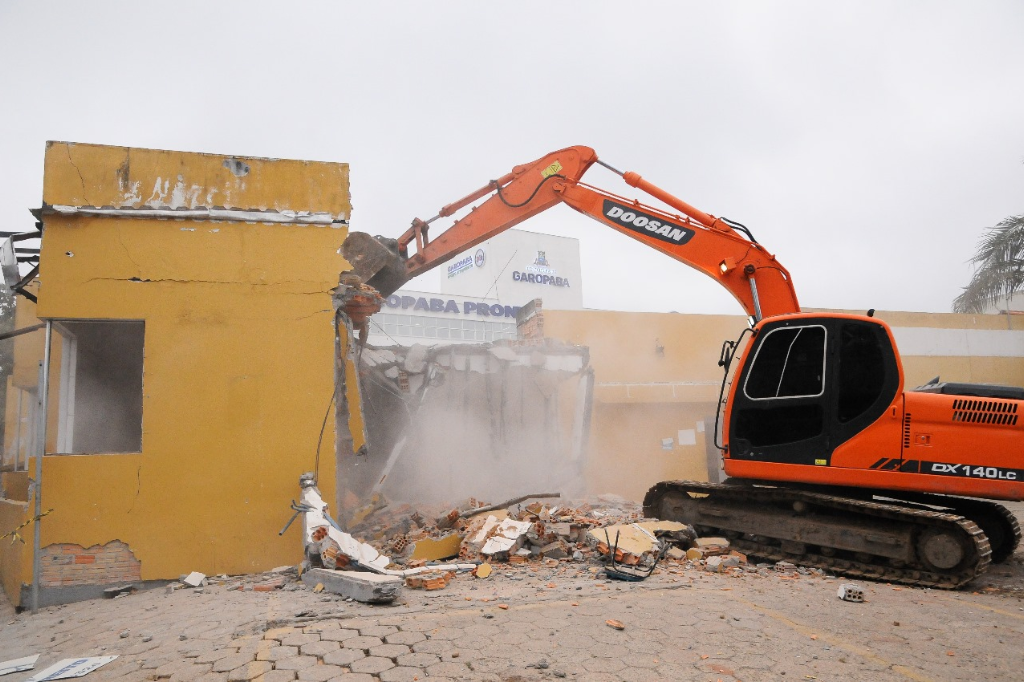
column 760, row 347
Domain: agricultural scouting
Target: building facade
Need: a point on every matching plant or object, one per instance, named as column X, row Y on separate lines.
column 657, row 381
column 517, row 266
column 193, row 351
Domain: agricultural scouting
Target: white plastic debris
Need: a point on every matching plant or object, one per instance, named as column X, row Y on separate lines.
column 848, row 592
column 16, row 665
column 336, row 540
column 71, row 667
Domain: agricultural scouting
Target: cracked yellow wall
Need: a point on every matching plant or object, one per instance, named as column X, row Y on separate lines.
column 239, row 352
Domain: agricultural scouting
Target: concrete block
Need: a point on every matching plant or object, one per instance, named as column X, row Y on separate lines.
column 712, row 542
column 717, row 564
column 369, row 588
column 556, row 550
column 194, row 579
column 848, row 592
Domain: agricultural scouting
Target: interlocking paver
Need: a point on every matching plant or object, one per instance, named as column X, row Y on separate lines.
column 418, row 659
column 755, row 627
column 191, row 673
column 168, row 669
column 319, row 649
column 389, row 650
column 320, row 673
column 403, row 637
column 277, row 653
column 448, row 669
column 401, row 675
column 250, row 671
column 280, row 633
column 363, row 643
column 372, row 665
column 277, row 676
column 298, row 639
column 339, row 635
column 229, row 663
column 431, row 646
column 603, row 665
column 213, row 677
column 344, row 656
column 378, row 630
column 295, row 663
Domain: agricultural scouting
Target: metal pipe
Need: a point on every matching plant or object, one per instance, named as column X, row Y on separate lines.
column 37, row 484
column 757, row 301
column 19, row 332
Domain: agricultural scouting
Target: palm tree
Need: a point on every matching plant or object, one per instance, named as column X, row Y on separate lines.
column 1000, row 272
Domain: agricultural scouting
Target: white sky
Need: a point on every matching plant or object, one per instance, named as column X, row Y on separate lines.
column 867, row 144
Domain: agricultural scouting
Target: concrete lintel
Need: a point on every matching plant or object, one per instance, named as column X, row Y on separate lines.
column 369, row 588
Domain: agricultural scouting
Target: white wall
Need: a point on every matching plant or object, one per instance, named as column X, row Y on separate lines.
column 509, row 268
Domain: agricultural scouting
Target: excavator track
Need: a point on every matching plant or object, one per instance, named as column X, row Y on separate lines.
column 854, row 537
column 996, row 521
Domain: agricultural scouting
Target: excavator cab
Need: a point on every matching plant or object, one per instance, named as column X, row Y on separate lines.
column 808, row 384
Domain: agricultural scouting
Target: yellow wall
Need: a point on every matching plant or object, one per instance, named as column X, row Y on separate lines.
column 643, row 396
column 239, row 352
column 15, row 557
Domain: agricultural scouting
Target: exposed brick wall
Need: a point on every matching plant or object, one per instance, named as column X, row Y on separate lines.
column 530, row 320
column 67, row 565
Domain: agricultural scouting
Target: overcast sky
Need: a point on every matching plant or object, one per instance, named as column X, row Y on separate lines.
column 866, row 144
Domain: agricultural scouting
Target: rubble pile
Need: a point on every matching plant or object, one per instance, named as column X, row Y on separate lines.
column 530, row 530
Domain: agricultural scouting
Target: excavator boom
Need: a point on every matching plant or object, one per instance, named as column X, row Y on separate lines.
column 711, row 245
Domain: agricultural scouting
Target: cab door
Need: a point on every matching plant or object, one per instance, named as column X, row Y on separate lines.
column 780, row 406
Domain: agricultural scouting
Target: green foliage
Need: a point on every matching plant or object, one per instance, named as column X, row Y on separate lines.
column 1000, row 273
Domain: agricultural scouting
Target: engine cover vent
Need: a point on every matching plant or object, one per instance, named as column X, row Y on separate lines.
column 998, row 412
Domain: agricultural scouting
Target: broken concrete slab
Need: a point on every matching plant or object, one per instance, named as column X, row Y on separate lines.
column 634, row 538
column 435, row 549
column 360, row 586
column 507, row 536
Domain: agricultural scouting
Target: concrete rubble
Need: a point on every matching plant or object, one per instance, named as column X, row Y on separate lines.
column 425, row 547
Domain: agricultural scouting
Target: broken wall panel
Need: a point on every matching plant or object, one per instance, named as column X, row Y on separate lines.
column 489, row 420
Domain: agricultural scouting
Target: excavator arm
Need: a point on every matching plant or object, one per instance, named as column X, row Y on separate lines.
column 720, row 249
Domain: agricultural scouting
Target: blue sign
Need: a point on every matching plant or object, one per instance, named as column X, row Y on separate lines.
column 451, row 306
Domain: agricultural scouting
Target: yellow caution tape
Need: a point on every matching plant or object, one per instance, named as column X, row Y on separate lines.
column 15, row 535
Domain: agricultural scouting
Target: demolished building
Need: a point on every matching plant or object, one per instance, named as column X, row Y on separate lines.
column 494, row 420
column 193, row 349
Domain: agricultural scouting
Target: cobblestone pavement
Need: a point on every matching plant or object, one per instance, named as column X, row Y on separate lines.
column 546, row 623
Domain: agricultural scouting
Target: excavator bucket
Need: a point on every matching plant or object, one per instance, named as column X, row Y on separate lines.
column 376, row 261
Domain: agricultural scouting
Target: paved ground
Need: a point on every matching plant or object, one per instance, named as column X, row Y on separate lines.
column 546, row 623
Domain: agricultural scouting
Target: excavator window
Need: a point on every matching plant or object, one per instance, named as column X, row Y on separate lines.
column 861, row 370
column 790, row 363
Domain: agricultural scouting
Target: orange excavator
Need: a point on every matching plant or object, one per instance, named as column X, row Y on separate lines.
column 832, row 461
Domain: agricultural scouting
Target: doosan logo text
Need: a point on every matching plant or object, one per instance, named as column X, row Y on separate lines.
column 645, row 223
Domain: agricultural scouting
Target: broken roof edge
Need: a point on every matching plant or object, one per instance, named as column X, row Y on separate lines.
column 219, row 155
column 216, row 214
